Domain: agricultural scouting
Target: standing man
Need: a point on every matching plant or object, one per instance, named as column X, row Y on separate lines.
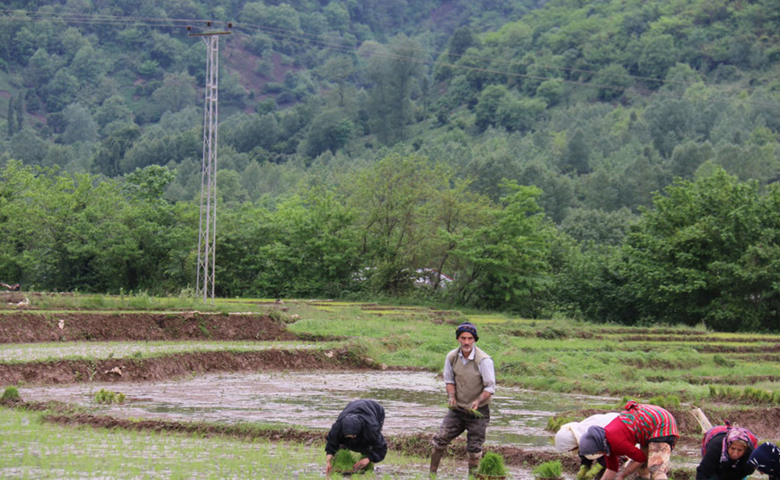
column 470, row 379
column 358, row 428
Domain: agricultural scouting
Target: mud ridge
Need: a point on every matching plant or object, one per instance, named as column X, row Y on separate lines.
column 28, row 327
column 174, row 365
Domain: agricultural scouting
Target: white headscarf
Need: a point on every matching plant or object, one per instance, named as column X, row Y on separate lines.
column 568, row 436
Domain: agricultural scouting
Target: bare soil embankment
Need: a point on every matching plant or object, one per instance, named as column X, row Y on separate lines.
column 29, row 327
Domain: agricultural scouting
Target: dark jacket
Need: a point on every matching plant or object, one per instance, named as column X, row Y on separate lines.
column 370, row 442
column 711, row 468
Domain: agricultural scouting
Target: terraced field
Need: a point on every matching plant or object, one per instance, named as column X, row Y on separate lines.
column 277, row 372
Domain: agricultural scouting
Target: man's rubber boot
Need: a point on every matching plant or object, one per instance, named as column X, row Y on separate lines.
column 474, row 459
column 435, row 459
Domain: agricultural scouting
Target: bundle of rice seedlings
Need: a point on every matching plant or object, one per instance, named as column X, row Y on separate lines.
column 344, row 462
column 551, row 469
column 491, row 466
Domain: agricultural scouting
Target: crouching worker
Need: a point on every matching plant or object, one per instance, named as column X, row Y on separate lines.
column 649, row 426
column 358, row 428
column 470, row 380
column 766, row 459
column 567, row 439
column 725, row 452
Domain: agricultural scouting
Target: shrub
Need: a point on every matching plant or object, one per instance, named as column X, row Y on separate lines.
column 551, row 469
column 492, row 464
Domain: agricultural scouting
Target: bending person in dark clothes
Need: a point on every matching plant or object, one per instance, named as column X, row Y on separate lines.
column 358, row 428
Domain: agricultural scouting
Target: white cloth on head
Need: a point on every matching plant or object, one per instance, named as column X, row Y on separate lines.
column 568, row 436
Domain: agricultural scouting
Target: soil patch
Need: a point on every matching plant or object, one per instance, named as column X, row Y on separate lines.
column 28, row 327
column 177, row 365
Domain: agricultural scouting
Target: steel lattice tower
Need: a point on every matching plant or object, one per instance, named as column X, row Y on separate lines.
column 207, row 236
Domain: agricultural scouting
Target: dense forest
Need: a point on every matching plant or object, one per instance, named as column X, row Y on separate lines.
column 614, row 161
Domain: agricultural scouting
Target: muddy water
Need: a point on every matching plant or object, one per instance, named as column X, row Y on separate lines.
column 414, row 401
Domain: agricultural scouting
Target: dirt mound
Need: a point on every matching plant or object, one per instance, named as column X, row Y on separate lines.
column 177, row 365
column 28, row 327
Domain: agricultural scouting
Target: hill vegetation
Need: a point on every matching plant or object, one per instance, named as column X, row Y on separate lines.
column 613, row 161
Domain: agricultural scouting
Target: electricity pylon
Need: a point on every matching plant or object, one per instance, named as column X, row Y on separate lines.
column 207, row 235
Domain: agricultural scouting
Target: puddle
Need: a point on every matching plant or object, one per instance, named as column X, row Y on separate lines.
column 414, row 401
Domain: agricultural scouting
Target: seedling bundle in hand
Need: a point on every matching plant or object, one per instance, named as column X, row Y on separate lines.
column 344, row 462
column 472, row 411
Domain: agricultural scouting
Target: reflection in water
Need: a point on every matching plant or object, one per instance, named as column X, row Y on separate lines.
column 414, row 401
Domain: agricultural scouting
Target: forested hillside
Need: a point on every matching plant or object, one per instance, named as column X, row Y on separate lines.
column 613, row 160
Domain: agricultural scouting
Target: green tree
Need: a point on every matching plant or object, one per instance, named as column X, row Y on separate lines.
column 176, row 93
column 392, row 71
column 504, row 264
column 708, row 252
column 489, row 101
column 79, row 125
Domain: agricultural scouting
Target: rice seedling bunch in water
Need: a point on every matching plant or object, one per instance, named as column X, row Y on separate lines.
column 551, row 469
column 492, row 465
column 107, row 397
column 10, row 395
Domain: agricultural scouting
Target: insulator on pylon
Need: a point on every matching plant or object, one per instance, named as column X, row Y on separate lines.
column 189, row 28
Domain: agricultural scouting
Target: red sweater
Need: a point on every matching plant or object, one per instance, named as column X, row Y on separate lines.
column 637, row 426
column 621, row 443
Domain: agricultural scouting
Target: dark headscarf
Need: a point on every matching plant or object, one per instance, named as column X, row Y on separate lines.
column 467, row 327
column 594, row 441
column 351, row 425
column 766, row 459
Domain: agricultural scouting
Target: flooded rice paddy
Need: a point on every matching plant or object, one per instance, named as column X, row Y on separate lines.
column 414, row 401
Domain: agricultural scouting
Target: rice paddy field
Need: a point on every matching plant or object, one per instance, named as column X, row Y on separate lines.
column 141, row 387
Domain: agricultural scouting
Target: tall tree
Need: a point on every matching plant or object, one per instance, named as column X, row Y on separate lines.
column 392, row 71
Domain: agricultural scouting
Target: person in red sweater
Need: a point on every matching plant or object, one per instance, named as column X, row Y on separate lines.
column 649, row 426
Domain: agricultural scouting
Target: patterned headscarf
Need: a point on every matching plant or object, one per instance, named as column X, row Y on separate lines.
column 594, row 441
column 467, row 327
column 766, row 459
column 733, row 434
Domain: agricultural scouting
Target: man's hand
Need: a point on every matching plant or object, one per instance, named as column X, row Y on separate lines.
column 475, row 404
column 360, row 465
column 328, row 466
column 451, row 401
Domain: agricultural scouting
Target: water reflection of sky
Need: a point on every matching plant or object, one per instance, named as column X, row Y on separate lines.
column 414, row 401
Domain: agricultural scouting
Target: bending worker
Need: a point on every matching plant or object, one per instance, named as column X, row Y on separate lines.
column 725, row 451
column 358, row 428
column 568, row 438
column 651, row 427
column 470, row 379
